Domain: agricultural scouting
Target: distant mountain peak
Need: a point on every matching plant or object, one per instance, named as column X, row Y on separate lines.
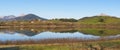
column 9, row 17
column 27, row 17
column 30, row 15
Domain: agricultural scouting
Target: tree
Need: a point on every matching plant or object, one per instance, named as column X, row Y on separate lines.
column 68, row 20
column 101, row 20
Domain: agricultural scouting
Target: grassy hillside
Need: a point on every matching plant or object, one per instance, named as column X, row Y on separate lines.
column 99, row 20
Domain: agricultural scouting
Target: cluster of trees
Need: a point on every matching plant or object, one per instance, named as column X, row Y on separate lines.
column 66, row 20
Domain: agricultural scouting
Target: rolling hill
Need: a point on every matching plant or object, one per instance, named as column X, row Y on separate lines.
column 99, row 19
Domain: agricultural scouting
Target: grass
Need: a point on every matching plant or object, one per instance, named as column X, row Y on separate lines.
column 37, row 47
column 76, row 46
column 85, row 45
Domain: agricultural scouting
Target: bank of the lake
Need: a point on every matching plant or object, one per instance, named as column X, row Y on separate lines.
column 99, row 45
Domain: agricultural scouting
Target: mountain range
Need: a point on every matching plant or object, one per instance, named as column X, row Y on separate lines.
column 27, row 17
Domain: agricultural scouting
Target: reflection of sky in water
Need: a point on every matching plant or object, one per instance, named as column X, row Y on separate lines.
column 44, row 35
column 16, row 36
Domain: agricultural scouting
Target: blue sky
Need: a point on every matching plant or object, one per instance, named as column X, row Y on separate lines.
column 60, row 8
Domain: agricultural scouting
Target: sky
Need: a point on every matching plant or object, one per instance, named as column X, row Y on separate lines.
column 60, row 8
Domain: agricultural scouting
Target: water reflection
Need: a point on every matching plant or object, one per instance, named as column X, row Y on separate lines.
column 26, row 34
column 43, row 35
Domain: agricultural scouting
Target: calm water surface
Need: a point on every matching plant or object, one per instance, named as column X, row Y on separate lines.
column 44, row 35
column 26, row 35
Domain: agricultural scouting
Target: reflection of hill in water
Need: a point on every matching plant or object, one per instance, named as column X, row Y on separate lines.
column 27, row 32
column 35, row 31
column 100, row 32
column 23, row 32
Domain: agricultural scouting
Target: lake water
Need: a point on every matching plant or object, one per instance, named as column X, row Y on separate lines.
column 6, row 35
